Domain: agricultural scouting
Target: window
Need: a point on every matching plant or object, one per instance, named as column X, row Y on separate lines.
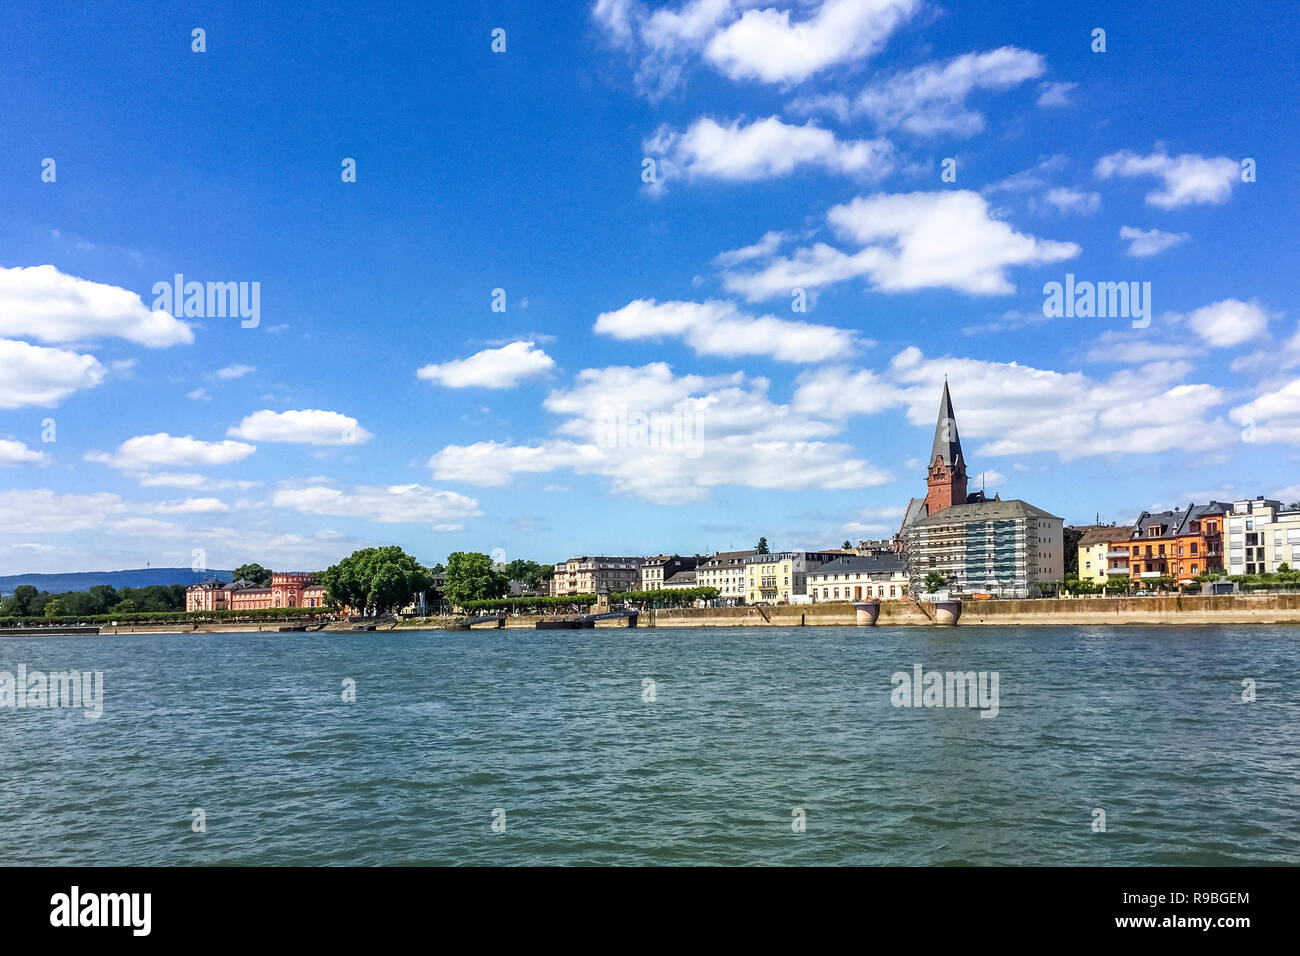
column 1193, row 547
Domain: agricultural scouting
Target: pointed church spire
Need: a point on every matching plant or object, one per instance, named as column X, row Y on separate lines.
column 947, row 443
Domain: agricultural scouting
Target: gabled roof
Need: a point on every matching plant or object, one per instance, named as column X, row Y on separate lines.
column 1103, row 534
column 986, row 511
column 865, row 563
column 1173, row 523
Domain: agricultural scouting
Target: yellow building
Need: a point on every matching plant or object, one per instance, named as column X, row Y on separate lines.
column 1093, row 548
column 775, row 578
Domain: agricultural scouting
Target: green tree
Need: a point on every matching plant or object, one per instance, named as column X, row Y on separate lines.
column 105, row 597
column 54, row 607
column 375, row 579
column 934, row 581
column 846, row 546
column 1070, row 539
column 126, row 606
column 761, row 547
column 253, row 572
column 470, row 577
column 530, row 572
column 25, row 600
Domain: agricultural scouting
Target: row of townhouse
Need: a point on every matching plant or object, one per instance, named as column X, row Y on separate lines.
column 1248, row 536
column 744, row 577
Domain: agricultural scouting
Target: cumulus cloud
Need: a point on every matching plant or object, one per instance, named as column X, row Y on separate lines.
column 1228, row 323
column 1274, row 416
column 1065, row 199
column 42, row 303
column 908, row 242
column 720, row 328
column 384, row 504
column 670, row 439
column 1055, row 94
column 768, row 45
column 764, row 149
column 144, row 452
column 191, row 506
column 504, row 367
column 1150, row 242
column 17, row 453
column 43, row 511
column 930, row 100
column 36, row 375
column 1187, row 179
column 311, row 426
column 1019, row 409
column 235, row 371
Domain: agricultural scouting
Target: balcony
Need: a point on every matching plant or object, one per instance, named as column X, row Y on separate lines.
column 1118, row 554
column 1152, row 574
column 1116, row 571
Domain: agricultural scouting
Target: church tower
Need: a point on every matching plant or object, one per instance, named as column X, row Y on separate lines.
column 946, row 477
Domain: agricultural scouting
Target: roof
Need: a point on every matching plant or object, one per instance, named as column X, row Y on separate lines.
column 1103, row 534
column 986, row 511
column 681, row 577
column 916, row 510
column 866, row 563
column 1173, row 523
column 726, row 558
column 947, row 443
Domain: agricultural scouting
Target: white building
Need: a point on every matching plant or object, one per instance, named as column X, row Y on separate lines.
column 726, row 572
column 881, row 576
column 1261, row 537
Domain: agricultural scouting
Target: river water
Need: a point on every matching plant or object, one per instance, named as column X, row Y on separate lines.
column 659, row 746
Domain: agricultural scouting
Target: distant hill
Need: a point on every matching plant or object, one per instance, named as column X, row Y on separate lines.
column 85, row 580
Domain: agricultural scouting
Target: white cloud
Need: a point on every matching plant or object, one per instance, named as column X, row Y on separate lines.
column 764, row 149
column 191, row 481
column 765, row 45
column 1273, row 417
column 385, row 504
column 1055, row 94
column 491, row 368
column 1073, row 200
column 43, row 511
column 911, row 241
column 1187, row 178
column 719, row 328
column 930, row 100
column 42, row 303
column 36, row 375
column 1151, row 241
column 191, row 506
column 148, row 451
column 310, row 426
column 670, row 439
column 199, row 395
column 235, row 371
column 17, row 453
column 766, row 246
column 748, row 44
column 1018, row 409
column 1228, row 323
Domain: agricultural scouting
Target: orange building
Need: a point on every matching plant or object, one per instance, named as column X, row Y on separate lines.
column 1178, row 544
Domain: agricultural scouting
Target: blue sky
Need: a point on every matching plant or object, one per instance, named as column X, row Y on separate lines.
column 796, row 145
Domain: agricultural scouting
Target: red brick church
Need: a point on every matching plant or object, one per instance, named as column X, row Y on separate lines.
column 945, row 476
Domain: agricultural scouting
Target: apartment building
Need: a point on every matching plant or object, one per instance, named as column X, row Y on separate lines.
column 878, row 575
column 1178, row 544
column 1094, row 549
column 776, row 577
column 1262, row 536
column 656, row 570
column 726, row 572
column 592, row 574
column 994, row 547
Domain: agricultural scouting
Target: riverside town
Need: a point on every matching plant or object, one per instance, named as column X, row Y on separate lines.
column 957, row 555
